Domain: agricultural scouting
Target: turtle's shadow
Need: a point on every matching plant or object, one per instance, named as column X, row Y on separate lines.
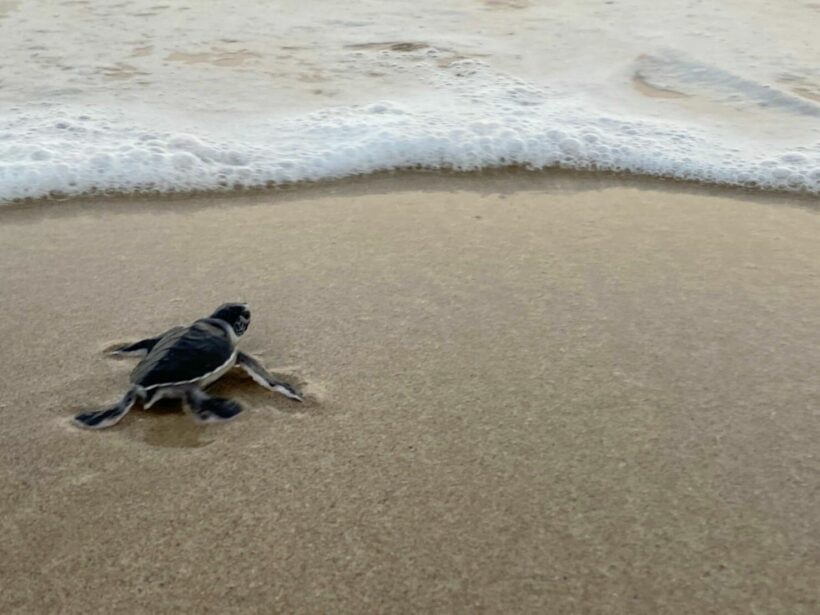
column 170, row 427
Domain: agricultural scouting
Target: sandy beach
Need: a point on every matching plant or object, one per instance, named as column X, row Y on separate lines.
column 527, row 393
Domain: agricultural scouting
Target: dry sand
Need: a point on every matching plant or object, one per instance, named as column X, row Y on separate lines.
column 529, row 393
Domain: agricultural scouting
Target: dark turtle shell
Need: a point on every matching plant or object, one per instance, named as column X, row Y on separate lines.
column 185, row 354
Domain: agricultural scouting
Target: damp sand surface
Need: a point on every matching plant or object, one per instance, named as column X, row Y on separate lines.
column 526, row 393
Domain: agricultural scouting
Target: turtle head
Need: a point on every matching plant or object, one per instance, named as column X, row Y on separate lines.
column 237, row 315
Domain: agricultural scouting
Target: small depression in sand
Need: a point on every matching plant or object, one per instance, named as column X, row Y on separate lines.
column 500, row 5
column 444, row 56
column 802, row 85
column 7, row 6
column 813, row 95
column 121, row 71
column 140, row 52
column 641, row 84
column 216, row 57
column 402, row 47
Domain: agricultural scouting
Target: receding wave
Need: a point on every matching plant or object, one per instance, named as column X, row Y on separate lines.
column 478, row 119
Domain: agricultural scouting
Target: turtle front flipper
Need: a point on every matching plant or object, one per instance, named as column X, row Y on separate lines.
column 108, row 417
column 206, row 409
column 137, row 349
column 261, row 376
column 142, row 347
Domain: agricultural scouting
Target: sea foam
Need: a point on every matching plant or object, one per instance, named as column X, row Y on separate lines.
column 492, row 121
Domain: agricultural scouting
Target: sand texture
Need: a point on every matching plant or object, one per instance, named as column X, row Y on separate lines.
column 527, row 394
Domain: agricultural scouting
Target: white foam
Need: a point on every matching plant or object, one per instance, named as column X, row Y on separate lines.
column 505, row 122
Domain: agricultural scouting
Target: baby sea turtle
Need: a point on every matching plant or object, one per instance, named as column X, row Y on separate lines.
column 181, row 362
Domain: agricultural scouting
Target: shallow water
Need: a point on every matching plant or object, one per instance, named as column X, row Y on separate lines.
column 182, row 95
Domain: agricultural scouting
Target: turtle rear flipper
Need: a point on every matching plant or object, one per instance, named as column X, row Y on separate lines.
column 206, row 409
column 108, row 417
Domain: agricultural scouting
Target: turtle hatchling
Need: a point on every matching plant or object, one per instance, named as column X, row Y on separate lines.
column 182, row 362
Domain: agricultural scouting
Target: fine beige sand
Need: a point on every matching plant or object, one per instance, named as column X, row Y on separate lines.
column 528, row 393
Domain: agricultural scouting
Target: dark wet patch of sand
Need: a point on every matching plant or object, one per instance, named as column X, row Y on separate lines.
column 215, row 57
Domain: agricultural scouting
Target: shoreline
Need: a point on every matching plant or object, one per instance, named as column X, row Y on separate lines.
column 537, row 179
column 524, row 393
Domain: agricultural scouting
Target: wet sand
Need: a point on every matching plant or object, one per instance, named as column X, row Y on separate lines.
column 527, row 393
